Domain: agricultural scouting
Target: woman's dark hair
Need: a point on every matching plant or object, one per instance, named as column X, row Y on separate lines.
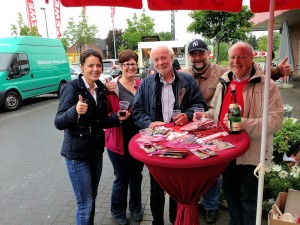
column 126, row 55
column 88, row 53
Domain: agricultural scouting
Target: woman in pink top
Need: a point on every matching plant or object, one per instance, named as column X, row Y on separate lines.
column 127, row 170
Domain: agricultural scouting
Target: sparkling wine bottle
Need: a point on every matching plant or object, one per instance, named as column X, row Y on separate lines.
column 234, row 114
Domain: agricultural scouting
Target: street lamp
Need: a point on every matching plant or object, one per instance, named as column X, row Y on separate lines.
column 44, row 9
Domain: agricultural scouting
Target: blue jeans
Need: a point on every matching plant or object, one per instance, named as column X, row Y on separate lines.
column 240, row 189
column 212, row 195
column 85, row 176
column 128, row 174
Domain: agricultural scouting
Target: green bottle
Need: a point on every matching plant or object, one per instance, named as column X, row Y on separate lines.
column 234, row 114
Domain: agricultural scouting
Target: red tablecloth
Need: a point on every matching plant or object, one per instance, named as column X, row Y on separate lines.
column 187, row 179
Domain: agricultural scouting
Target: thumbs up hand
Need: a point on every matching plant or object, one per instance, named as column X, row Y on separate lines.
column 110, row 85
column 81, row 106
column 284, row 67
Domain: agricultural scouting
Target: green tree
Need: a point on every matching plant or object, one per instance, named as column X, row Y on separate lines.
column 263, row 42
column 80, row 34
column 109, row 41
column 22, row 30
column 276, row 41
column 253, row 41
column 221, row 26
column 165, row 36
column 65, row 43
column 137, row 27
column 223, row 55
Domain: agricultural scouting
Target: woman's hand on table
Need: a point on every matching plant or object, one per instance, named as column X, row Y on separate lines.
column 156, row 124
column 181, row 119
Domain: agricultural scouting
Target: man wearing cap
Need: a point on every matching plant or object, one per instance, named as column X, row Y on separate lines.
column 207, row 76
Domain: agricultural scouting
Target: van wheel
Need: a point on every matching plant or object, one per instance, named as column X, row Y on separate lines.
column 59, row 88
column 12, row 101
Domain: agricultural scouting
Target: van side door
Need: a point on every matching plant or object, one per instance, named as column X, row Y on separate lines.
column 19, row 76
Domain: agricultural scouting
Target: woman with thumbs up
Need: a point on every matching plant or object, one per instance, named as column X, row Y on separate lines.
column 82, row 115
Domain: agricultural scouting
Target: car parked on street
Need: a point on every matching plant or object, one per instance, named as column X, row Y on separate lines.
column 111, row 67
column 105, row 77
column 75, row 71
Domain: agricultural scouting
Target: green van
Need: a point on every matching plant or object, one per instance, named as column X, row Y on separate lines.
column 31, row 66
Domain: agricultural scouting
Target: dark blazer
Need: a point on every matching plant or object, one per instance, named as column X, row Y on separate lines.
column 83, row 134
column 147, row 100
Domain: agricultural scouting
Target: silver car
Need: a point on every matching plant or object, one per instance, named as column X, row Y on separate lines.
column 75, row 71
column 111, row 67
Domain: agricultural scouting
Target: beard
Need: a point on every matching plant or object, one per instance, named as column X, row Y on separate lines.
column 199, row 65
column 164, row 70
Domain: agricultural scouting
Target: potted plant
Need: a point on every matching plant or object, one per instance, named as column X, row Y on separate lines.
column 283, row 175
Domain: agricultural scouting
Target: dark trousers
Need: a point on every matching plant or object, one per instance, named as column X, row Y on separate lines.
column 240, row 189
column 157, row 203
column 128, row 175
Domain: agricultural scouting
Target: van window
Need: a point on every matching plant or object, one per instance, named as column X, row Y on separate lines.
column 5, row 59
column 23, row 63
column 19, row 63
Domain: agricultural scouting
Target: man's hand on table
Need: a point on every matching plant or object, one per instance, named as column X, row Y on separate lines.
column 181, row 119
column 156, row 124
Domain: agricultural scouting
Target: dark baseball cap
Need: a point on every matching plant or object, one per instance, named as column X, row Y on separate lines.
column 197, row 44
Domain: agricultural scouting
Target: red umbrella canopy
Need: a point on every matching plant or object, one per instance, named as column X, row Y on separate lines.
column 135, row 4
column 218, row 5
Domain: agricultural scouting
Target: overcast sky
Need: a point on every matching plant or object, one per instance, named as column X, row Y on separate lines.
column 100, row 16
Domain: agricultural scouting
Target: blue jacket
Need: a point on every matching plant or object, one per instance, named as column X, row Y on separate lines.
column 147, row 101
column 83, row 135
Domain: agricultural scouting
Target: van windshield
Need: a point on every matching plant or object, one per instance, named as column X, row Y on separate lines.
column 5, row 60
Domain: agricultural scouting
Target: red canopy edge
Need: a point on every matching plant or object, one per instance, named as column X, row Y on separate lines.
column 217, row 5
column 258, row 6
column 135, row 4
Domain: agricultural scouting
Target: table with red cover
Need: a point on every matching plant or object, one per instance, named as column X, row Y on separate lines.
column 186, row 179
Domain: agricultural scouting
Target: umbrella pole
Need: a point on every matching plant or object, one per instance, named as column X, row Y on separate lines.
column 265, row 114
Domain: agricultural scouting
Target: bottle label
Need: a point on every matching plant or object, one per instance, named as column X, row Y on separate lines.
column 235, row 125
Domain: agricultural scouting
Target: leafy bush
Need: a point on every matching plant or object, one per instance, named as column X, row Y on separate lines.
column 281, row 176
column 287, row 139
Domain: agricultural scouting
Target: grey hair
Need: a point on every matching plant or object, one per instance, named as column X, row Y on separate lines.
column 170, row 50
column 243, row 44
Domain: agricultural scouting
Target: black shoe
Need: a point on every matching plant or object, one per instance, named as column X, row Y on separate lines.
column 211, row 216
column 121, row 220
column 137, row 216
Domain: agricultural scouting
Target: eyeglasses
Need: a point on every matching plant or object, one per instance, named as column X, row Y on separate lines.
column 241, row 57
column 127, row 65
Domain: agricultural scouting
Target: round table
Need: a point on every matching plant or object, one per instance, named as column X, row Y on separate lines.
column 186, row 179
